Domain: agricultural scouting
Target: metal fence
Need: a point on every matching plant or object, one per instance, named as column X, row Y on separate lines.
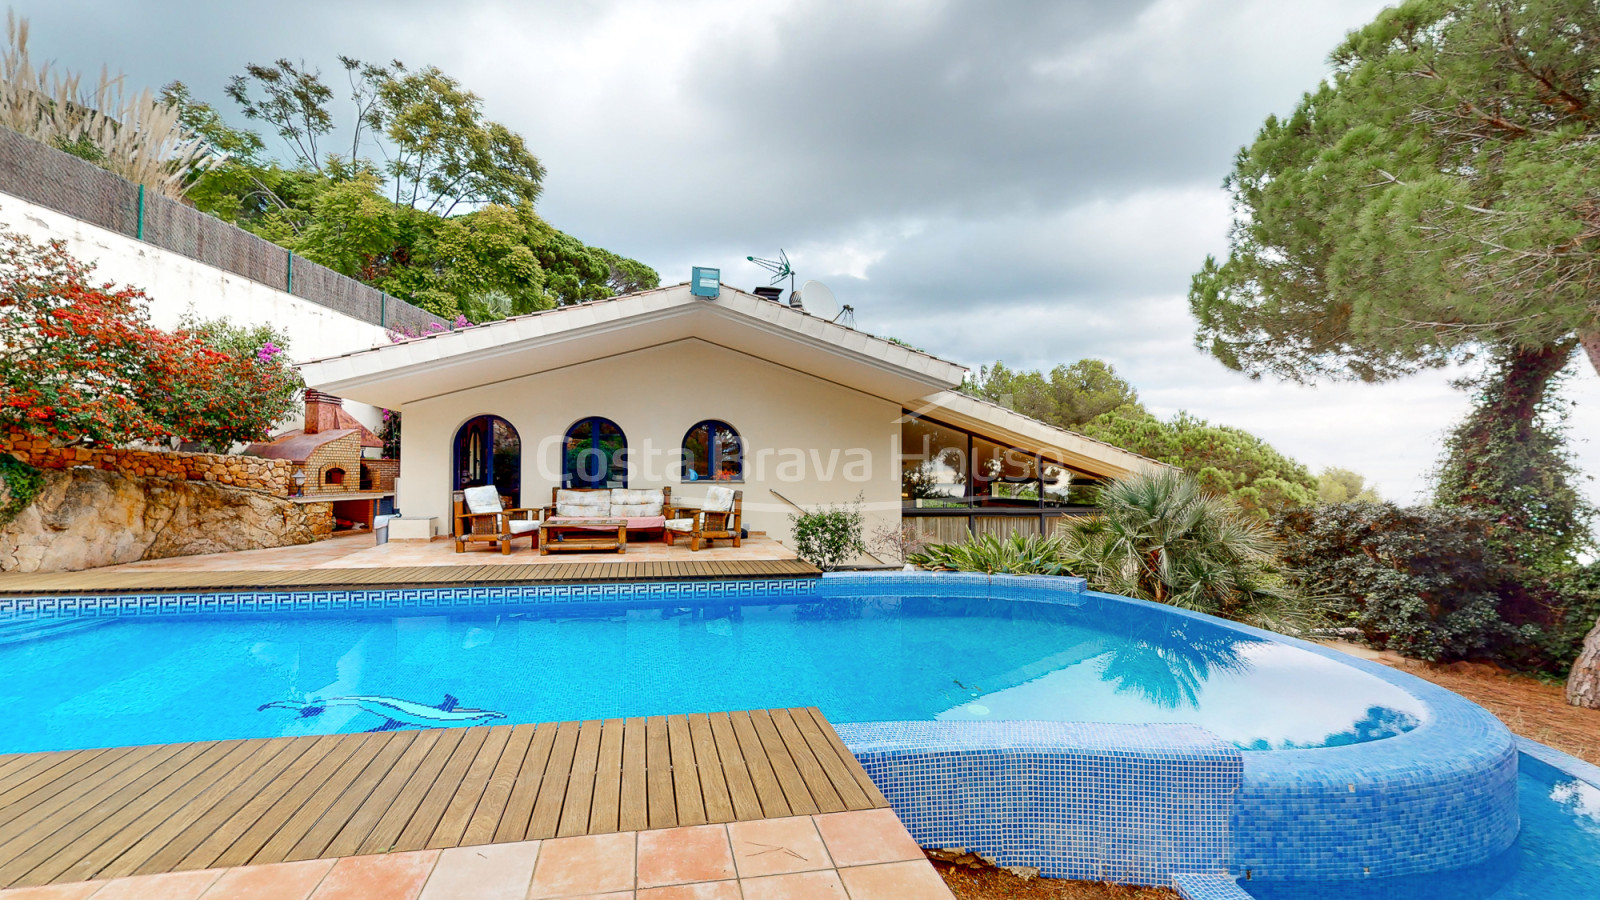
column 46, row 176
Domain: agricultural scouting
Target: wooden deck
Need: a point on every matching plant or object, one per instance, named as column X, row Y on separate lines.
column 97, row 814
column 92, row 581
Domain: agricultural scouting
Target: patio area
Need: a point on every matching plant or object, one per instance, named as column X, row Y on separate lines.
column 360, row 550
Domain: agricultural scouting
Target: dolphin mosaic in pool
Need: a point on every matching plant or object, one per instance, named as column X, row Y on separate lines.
column 395, row 712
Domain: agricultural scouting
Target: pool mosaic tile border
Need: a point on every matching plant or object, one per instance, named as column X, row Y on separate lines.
column 1127, row 803
column 397, row 600
column 1208, row 887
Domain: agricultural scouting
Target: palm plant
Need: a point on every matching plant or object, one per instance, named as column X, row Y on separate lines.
column 1160, row 537
column 1019, row 554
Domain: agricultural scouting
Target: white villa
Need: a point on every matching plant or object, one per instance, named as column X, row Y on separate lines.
column 667, row 389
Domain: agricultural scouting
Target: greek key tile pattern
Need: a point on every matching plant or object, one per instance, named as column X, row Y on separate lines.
column 402, row 600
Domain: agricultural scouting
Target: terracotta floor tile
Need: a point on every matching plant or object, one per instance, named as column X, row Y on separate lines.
column 391, row 876
column 773, row 846
column 597, row 864
column 682, row 855
column 794, row 886
column 705, row 890
column 279, row 881
column 492, row 872
column 895, row 881
column 77, row 890
column 865, row 837
column 172, row 886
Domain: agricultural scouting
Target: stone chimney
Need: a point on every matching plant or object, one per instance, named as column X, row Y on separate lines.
column 322, row 411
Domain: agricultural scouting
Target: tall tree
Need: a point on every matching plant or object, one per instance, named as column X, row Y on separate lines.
column 1066, row 396
column 1440, row 192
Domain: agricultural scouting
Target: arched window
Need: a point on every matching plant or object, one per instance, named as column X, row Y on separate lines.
column 488, row 451
column 596, row 455
column 712, row 450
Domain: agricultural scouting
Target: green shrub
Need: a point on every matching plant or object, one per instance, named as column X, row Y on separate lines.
column 829, row 537
column 20, row 483
column 1161, row 537
column 1423, row 581
column 1019, row 554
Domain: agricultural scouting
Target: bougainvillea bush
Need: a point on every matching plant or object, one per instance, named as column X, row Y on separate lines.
column 80, row 363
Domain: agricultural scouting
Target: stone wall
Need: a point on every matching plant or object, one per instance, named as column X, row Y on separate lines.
column 273, row 476
column 84, row 518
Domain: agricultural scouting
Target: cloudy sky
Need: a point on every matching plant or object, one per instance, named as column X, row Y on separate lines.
column 1031, row 182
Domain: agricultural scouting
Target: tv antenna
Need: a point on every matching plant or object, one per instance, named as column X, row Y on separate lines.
column 779, row 268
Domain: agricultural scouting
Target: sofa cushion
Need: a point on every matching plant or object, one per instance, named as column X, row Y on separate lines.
column 635, row 523
column 581, row 504
column 627, row 502
column 718, row 499
column 522, row 526
column 684, row 525
column 485, row 499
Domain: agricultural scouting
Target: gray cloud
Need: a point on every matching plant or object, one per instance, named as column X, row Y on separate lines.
column 1027, row 181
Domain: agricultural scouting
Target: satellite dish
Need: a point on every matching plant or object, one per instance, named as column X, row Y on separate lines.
column 817, row 300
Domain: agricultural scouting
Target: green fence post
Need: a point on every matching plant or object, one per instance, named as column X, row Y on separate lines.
column 288, row 275
column 138, row 229
column 383, row 309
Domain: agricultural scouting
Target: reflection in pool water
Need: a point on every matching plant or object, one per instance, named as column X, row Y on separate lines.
column 880, row 659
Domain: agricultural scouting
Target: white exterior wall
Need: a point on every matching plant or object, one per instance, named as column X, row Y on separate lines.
column 814, row 441
column 177, row 284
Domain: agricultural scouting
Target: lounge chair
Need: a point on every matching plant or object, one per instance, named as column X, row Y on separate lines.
column 483, row 516
column 719, row 518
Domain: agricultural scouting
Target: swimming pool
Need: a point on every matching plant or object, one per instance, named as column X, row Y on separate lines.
column 1209, row 747
column 142, row 680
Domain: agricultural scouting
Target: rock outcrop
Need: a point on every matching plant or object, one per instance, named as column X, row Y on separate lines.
column 83, row 518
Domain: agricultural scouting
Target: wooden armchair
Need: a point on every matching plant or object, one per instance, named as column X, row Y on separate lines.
column 482, row 516
column 719, row 518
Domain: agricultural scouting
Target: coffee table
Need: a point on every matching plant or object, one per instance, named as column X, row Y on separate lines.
column 589, row 534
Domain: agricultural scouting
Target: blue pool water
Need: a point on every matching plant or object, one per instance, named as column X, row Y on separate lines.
column 1556, row 857
column 139, row 681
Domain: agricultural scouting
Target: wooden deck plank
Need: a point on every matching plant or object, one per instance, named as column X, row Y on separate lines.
column 137, row 820
column 575, row 808
column 431, row 810
column 519, row 807
column 352, row 837
column 811, row 772
column 75, row 809
column 634, row 806
column 171, row 856
column 25, row 767
column 387, row 832
column 309, row 831
column 553, row 786
column 741, row 791
column 658, row 774
column 208, row 793
column 144, row 810
column 773, row 803
column 708, row 767
column 224, row 834
column 794, row 786
column 827, row 756
column 685, row 778
column 49, row 860
column 54, row 773
column 453, row 824
column 875, row 798
column 309, row 784
column 606, row 805
column 484, row 823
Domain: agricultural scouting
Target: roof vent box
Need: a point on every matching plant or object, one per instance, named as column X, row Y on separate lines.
column 774, row 294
